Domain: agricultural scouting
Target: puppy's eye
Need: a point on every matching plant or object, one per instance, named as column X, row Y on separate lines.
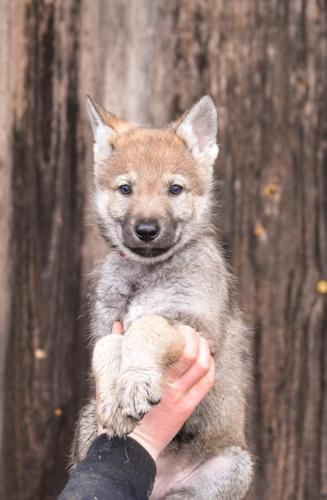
column 175, row 189
column 125, row 189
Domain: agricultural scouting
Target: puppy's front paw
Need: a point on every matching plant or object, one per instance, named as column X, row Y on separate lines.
column 111, row 418
column 139, row 391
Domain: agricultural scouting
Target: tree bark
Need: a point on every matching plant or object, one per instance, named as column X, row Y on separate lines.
column 264, row 63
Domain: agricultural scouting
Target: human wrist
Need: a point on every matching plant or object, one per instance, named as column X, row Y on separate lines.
column 152, row 448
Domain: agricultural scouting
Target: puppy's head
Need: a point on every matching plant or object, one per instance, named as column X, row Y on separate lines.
column 152, row 186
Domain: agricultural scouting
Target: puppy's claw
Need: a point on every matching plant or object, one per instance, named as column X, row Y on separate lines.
column 154, row 403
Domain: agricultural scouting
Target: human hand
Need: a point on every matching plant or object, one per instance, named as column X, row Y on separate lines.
column 186, row 384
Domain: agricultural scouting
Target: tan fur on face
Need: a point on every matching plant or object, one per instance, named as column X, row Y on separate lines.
column 152, row 155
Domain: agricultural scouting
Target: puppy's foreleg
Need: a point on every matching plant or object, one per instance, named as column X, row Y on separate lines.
column 106, row 365
column 149, row 347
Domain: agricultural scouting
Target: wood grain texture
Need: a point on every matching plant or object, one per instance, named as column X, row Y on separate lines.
column 44, row 351
column 265, row 64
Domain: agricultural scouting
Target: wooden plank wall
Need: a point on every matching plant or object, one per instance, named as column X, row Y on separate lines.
column 264, row 63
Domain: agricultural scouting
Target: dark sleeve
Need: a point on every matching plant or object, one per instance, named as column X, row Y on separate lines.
column 114, row 469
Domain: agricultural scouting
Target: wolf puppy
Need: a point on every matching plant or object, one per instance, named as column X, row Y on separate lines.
column 153, row 198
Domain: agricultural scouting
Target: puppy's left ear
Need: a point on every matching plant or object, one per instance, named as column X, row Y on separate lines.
column 198, row 128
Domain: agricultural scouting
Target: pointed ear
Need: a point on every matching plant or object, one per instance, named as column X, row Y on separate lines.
column 106, row 128
column 198, row 128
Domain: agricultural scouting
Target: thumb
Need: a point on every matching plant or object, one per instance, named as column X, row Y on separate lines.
column 117, row 327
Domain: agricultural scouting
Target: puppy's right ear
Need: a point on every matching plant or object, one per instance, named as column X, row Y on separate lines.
column 106, row 128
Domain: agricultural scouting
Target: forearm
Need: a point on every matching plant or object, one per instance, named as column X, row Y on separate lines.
column 115, row 468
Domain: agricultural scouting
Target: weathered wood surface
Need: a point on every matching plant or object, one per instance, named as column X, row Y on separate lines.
column 264, row 63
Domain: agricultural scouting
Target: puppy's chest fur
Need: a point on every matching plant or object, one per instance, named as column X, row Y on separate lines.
column 190, row 284
column 190, row 288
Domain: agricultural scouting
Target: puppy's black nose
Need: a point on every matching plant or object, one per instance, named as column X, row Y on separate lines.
column 147, row 230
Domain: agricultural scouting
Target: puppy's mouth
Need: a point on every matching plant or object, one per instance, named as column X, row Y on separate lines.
column 149, row 252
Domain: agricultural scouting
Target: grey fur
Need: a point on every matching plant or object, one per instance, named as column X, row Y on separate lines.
column 192, row 286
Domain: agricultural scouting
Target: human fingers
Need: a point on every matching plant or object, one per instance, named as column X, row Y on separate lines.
column 199, row 390
column 162, row 423
column 189, row 355
column 117, row 327
column 198, row 369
